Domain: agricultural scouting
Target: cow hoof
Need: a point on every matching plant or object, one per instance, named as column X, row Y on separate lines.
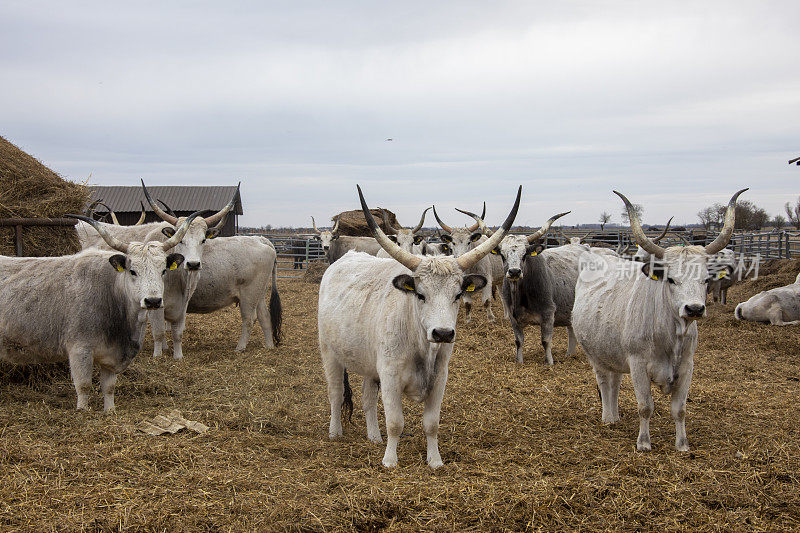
column 435, row 463
column 239, row 350
column 682, row 446
column 376, row 440
column 643, row 446
column 390, row 463
column 177, row 356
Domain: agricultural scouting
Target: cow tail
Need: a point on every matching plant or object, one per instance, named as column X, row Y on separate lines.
column 275, row 308
column 347, row 405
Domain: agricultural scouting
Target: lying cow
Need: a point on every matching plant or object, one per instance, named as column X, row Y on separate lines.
column 641, row 319
column 393, row 321
column 88, row 308
column 777, row 307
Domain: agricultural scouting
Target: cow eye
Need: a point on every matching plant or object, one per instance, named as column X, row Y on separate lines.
column 203, row 241
column 133, row 272
column 672, row 281
column 420, row 296
column 458, row 296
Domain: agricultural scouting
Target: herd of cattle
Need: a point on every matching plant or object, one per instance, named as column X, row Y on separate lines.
column 388, row 305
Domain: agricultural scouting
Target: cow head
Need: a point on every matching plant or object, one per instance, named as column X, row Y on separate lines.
column 682, row 270
column 641, row 255
column 516, row 249
column 407, row 238
column 436, row 284
column 142, row 266
column 326, row 237
column 190, row 246
column 462, row 240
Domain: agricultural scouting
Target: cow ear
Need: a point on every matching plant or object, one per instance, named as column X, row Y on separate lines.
column 392, row 238
column 334, row 237
column 473, row 283
column 118, row 262
column 475, row 237
column 446, row 250
column 169, row 231
column 417, row 239
column 655, row 273
column 445, row 237
column 534, row 250
column 174, row 261
column 405, row 283
column 211, row 233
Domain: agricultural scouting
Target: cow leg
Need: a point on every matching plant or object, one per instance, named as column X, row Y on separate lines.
column 334, row 374
column 247, row 310
column 519, row 336
column 431, row 417
column 158, row 328
column 80, row 367
column 108, row 380
column 468, row 308
column 487, row 302
column 724, row 296
column 608, row 383
column 263, row 318
column 391, row 393
column 369, row 400
column 177, row 328
column 775, row 316
column 572, row 342
column 547, row 339
column 644, row 399
column 680, row 392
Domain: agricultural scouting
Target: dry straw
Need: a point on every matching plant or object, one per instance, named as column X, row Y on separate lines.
column 28, row 189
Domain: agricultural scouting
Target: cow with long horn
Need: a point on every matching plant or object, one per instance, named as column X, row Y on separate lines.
column 335, row 245
column 89, row 308
column 462, row 241
column 393, row 321
column 641, row 319
column 532, row 293
column 405, row 238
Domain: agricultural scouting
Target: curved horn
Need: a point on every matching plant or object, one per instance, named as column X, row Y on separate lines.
column 168, row 208
column 638, row 234
column 110, row 212
column 541, row 231
column 213, row 219
column 90, row 209
column 180, row 232
column 727, row 230
column 336, row 225
column 479, row 252
column 141, row 217
column 586, row 237
column 421, row 221
column 314, row 225
column 444, row 226
column 663, row 233
column 684, row 239
column 406, row 259
column 479, row 223
column 157, row 210
column 386, row 223
column 110, row 239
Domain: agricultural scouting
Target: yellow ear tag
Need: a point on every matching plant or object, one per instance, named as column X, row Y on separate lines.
column 721, row 275
column 408, row 287
column 494, row 252
column 654, row 277
column 470, row 287
column 173, row 266
column 534, row 253
column 119, row 268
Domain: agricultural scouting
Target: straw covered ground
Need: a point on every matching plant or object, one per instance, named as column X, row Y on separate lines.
column 523, row 444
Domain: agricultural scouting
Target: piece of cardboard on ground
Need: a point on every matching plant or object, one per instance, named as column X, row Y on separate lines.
column 171, row 423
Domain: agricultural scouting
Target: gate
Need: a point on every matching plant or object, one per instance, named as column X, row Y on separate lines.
column 294, row 253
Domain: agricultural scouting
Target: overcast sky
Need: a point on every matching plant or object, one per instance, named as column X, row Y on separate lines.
column 677, row 104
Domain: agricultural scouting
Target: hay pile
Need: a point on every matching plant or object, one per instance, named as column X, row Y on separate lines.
column 314, row 271
column 774, row 273
column 28, row 189
column 353, row 222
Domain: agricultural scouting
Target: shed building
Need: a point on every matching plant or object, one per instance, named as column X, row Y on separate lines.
column 127, row 202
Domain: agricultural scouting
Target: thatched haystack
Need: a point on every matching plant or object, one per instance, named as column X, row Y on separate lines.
column 28, row 189
column 353, row 222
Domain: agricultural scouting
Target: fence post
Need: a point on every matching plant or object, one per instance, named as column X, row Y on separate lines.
column 18, row 239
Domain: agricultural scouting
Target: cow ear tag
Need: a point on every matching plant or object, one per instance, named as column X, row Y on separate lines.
column 721, row 275
column 408, row 287
column 173, row 265
column 654, row 277
column 534, row 253
column 493, row 252
column 470, row 287
column 119, row 268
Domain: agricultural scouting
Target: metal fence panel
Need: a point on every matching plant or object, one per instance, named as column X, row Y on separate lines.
column 294, row 252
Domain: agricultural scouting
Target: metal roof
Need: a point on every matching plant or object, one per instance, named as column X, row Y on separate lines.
column 123, row 199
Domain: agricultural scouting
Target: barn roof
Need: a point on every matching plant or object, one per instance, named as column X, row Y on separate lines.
column 123, row 199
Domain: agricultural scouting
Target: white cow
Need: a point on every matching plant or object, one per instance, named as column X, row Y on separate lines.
column 723, row 271
column 335, row 245
column 89, row 308
column 405, row 238
column 777, row 307
column 393, row 321
column 641, row 319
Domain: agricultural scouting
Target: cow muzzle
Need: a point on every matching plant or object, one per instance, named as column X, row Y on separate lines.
column 693, row 311
column 446, row 335
column 514, row 274
column 152, row 303
column 193, row 265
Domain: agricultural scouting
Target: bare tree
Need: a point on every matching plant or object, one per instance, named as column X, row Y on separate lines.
column 793, row 213
column 605, row 217
column 637, row 208
column 778, row 222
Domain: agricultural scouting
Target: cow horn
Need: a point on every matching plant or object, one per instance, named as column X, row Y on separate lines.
column 663, row 233
column 386, row 223
column 141, row 217
column 406, row 259
column 157, row 210
column 180, row 232
column 479, row 223
column 314, row 225
column 110, row 239
column 543, row 230
column 90, row 210
column 110, row 213
column 479, row 252
column 637, row 231
column 336, row 226
column 168, row 208
column 586, row 237
column 421, row 221
column 724, row 236
column 444, row 226
column 213, row 219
